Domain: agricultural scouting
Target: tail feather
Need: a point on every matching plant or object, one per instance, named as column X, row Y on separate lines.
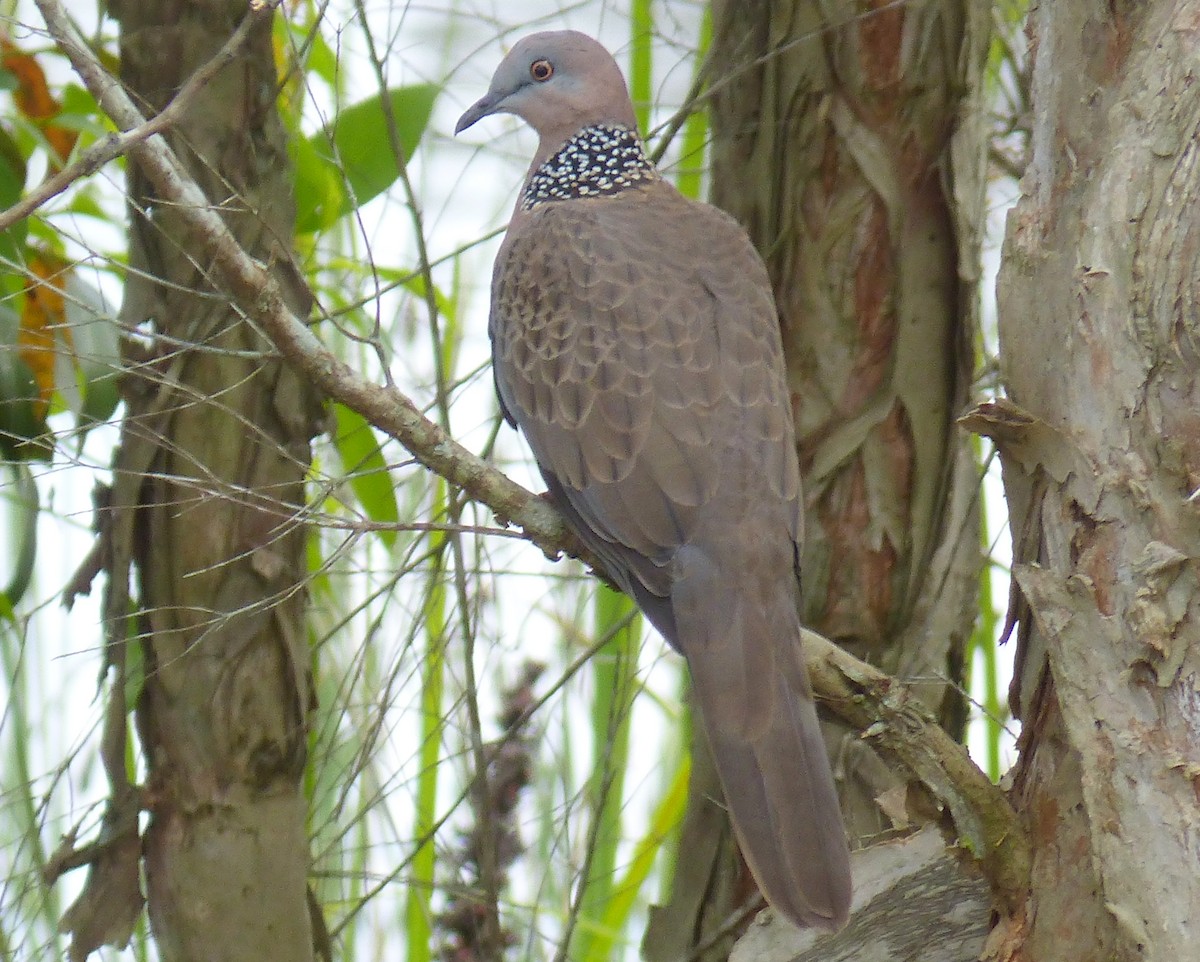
column 756, row 705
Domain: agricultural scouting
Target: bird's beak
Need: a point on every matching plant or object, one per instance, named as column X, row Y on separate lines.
column 481, row 108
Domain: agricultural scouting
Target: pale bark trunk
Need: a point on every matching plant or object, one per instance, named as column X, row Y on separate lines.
column 218, row 431
column 1100, row 440
column 849, row 139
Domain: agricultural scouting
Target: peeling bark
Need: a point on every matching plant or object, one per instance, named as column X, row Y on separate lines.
column 1100, row 441
column 849, row 140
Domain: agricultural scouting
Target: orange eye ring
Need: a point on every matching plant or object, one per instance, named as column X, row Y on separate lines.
column 541, row 70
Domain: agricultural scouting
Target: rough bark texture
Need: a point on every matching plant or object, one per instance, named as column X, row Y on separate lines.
column 912, row 900
column 848, row 139
column 1100, row 441
column 213, row 457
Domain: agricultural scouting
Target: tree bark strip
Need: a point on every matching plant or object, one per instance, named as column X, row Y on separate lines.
column 219, row 547
column 1100, row 442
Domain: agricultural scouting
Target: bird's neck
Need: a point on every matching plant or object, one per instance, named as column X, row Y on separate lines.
column 599, row 161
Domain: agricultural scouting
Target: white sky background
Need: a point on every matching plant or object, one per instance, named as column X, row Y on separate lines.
column 467, row 187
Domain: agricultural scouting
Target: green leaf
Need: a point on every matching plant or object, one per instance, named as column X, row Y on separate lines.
column 359, row 157
column 80, row 112
column 22, row 497
column 19, row 420
column 86, row 203
column 320, row 195
column 304, row 35
column 323, row 60
column 364, row 142
column 641, row 66
column 12, row 185
column 12, row 170
column 616, row 687
column 418, row 912
column 366, row 470
column 135, row 675
column 668, row 814
column 689, row 177
column 412, row 281
column 13, row 251
column 96, row 349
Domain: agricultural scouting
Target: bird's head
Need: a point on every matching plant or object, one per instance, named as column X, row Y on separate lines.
column 558, row 82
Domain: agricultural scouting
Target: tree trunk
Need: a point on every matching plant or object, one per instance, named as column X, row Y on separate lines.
column 1100, row 442
column 848, row 138
column 215, row 448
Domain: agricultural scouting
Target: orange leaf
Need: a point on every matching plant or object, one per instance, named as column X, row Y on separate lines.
column 62, row 142
column 34, row 100
column 43, row 317
column 33, row 93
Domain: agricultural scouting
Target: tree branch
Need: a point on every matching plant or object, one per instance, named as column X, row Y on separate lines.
column 116, row 145
column 887, row 713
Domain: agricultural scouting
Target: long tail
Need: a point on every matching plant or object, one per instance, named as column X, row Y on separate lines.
column 741, row 638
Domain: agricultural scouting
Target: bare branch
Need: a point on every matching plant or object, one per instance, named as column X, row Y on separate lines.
column 888, row 714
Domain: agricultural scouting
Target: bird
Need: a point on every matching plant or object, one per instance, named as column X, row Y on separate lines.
column 636, row 345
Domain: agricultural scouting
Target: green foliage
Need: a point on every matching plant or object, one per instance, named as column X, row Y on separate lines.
column 614, row 689
column 13, row 170
column 360, row 156
column 418, row 912
column 20, row 419
column 664, row 823
column 982, row 651
column 21, row 498
column 695, row 128
column 366, row 470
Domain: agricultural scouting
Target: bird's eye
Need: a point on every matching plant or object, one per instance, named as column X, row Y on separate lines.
column 541, row 70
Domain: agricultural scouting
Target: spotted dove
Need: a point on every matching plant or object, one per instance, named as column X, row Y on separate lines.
column 636, row 344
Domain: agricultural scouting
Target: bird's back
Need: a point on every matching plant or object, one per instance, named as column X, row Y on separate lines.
column 636, row 341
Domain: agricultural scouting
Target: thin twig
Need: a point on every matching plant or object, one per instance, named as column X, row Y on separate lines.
column 117, row 145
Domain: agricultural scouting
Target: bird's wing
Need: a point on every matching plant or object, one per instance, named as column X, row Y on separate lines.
column 636, row 344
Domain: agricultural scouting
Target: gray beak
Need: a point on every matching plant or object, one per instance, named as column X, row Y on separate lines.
column 481, row 108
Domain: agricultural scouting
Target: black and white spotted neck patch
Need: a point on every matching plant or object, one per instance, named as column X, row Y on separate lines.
column 598, row 161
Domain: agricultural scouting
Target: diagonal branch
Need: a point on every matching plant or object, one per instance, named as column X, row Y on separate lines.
column 117, row 145
column 891, row 717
